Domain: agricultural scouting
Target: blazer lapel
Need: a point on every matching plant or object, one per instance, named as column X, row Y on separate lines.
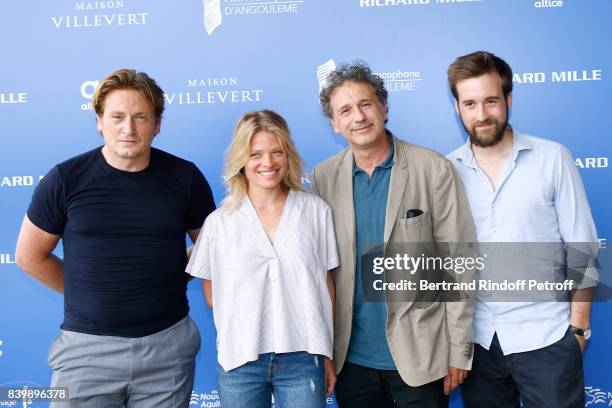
column 345, row 198
column 397, row 185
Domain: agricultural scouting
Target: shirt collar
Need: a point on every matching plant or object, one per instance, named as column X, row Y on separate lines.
column 519, row 142
column 388, row 162
column 466, row 156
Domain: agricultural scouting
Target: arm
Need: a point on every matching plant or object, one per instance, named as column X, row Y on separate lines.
column 34, row 255
column 331, row 287
column 579, row 234
column 193, row 235
column 330, row 368
column 207, row 288
column 329, row 256
column 201, row 205
column 581, row 312
column 454, row 228
column 199, row 262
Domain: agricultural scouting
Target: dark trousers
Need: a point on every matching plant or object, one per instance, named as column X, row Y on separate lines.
column 365, row 387
column 550, row 377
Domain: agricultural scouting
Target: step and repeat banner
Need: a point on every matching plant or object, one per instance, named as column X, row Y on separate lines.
column 216, row 59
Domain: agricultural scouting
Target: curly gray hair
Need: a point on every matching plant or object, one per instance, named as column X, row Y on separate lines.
column 358, row 71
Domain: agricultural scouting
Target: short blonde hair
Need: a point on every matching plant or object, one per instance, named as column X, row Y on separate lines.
column 239, row 150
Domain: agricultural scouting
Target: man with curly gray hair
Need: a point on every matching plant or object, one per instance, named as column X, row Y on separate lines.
column 357, row 72
column 383, row 192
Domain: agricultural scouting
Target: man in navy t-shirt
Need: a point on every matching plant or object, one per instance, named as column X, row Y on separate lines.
column 122, row 212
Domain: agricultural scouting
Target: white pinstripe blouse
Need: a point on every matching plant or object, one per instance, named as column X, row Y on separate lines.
column 269, row 297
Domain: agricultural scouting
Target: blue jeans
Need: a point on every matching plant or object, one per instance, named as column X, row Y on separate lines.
column 295, row 379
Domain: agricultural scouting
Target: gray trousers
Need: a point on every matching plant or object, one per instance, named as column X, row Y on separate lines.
column 108, row 372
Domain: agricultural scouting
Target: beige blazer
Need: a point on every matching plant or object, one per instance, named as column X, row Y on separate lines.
column 423, row 341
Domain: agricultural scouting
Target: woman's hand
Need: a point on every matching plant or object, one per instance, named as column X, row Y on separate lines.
column 330, row 376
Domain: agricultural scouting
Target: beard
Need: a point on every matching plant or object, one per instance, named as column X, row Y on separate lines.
column 492, row 137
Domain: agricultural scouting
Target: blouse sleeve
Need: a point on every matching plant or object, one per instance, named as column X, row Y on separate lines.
column 200, row 262
column 327, row 242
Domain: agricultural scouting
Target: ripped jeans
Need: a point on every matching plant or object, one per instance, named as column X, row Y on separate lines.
column 296, row 380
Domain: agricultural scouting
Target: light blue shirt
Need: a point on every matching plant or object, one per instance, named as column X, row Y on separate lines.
column 539, row 198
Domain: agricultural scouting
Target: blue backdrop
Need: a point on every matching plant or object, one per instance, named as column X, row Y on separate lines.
column 216, row 59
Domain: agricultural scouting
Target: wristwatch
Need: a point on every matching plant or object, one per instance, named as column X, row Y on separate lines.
column 586, row 333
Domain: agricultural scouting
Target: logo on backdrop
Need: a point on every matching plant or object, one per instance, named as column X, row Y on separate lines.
column 87, row 90
column 205, row 400
column 323, row 72
column 19, row 181
column 214, row 91
column 200, row 91
column 548, row 3
column 307, row 181
column 596, row 396
column 7, row 258
column 395, row 81
column 328, row 401
column 11, row 98
column 400, row 81
column 591, row 162
column 215, row 10
column 212, row 15
column 401, row 3
column 579, row 75
column 100, row 14
column 211, row 400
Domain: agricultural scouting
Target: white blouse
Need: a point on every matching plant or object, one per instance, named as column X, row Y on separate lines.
column 269, row 297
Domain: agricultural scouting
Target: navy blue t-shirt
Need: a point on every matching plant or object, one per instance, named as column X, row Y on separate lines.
column 124, row 239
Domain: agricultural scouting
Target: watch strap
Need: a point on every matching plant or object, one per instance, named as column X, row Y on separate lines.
column 586, row 333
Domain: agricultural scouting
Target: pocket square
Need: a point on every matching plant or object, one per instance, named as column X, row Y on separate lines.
column 415, row 212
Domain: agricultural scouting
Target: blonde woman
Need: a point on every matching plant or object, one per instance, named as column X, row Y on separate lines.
column 265, row 258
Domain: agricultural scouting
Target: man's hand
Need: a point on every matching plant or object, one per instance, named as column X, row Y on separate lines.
column 581, row 313
column 330, row 376
column 581, row 341
column 454, row 378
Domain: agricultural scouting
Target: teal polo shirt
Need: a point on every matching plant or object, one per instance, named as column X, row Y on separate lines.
column 368, row 345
